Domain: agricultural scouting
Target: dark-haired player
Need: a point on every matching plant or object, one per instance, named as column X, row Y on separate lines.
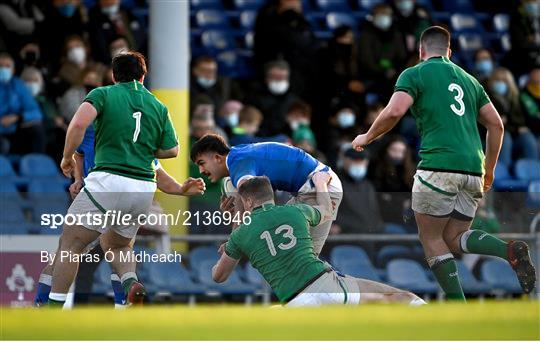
column 453, row 172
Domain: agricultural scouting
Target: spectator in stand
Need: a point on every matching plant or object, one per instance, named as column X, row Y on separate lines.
column 228, row 115
column 342, row 77
column 411, row 20
column 71, row 100
column 76, row 59
column 392, row 173
column 63, row 18
column 282, row 32
column 54, row 125
column 245, row 132
column 525, row 36
column 483, row 65
column 382, row 51
column 273, row 98
column 206, row 80
column 30, row 56
column 518, row 139
column 343, row 126
column 359, row 211
column 530, row 99
column 19, row 19
column 118, row 45
column 108, row 20
column 20, row 116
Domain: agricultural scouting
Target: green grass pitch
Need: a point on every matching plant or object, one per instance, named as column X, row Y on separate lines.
column 516, row 320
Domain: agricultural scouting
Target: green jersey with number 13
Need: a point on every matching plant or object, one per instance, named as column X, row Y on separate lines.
column 446, row 104
column 131, row 125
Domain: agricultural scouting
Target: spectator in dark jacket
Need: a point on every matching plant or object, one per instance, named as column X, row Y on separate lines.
column 525, row 36
column 20, row 116
column 483, row 65
column 530, row 99
column 382, row 51
column 411, row 20
column 342, row 126
column 19, row 19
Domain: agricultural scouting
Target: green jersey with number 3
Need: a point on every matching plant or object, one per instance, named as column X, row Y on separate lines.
column 446, row 104
column 131, row 125
column 278, row 244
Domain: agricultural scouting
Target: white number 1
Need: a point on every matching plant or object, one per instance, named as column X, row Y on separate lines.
column 459, row 99
column 137, row 117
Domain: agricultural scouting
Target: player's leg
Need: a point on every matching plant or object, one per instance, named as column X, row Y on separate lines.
column 119, row 294
column 44, row 284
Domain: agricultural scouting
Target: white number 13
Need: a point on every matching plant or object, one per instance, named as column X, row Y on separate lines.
column 283, row 246
column 137, row 117
column 459, row 99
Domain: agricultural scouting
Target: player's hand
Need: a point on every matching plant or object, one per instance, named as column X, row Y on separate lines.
column 75, row 188
column 193, row 186
column 226, row 204
column 321, row 177
column 360, row 142
column 488, row 180
column 67, row 165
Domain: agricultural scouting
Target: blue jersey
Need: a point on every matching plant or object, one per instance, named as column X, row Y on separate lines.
column 287, row 167
column 87, row 150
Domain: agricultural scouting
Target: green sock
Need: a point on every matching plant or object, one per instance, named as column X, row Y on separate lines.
column 444, row 268
column 55, row 303
column 480, row 242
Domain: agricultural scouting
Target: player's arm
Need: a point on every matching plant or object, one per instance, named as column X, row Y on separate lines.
column 169, row 185
column 387, row 119
column 75, row 134
column 324, row 202
column 491, row 120
column 77, row 184
column 224, row 267
column 166, row 154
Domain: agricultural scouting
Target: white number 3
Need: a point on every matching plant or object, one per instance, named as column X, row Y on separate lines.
column 459, row 99
column 137, row 117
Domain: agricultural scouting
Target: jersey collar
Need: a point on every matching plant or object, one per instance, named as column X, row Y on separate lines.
column 264, row 206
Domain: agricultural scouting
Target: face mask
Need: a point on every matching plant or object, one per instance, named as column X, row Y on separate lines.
column 232, row 119
column 34, row 87
column 67, row 10
column 382, row 22
column 278, row 87
column 405, row 7
column 5, row 74
column 500, row 87
column 110, row 10
column 206, row 82
column 484, row 66
column 357, row 172
column 533, row 8
column 346, row 119
column 77, row 55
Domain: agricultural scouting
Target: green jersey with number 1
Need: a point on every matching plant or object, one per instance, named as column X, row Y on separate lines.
column 278, row 244
column 131, row 125
column 446, row 104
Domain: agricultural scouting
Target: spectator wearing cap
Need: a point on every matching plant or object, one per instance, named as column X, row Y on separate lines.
column 359, row 210
column 248, row 125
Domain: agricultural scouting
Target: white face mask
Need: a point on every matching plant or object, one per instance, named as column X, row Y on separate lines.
column 278, row 87
column 346, row 119
column 382, row 21
column 206, row 82
column 110, row 10
column 34, row 87
column 77, row 55
column 232, row 119
column 357, row 172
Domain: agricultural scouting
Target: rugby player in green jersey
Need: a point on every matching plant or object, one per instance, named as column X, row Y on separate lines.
column 453, row 173
column 277, row 242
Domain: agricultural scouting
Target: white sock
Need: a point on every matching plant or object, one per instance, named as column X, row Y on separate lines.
column 128, row 275
column 45, row 279
column 59, row 297
column 417, row 302
column 115, row 277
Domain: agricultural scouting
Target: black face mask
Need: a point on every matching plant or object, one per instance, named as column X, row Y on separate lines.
column 30, row 58
column 344, row 49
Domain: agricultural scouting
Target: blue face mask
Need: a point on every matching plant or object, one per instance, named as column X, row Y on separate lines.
column 405, row 7
column 346, row 119
column 357, row 172
column 5, row 74
column 500, row 87
column 110, row 10
column 67, row 10
column 484, row 66
column 533, row 8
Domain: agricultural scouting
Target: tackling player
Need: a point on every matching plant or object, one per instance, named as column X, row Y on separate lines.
column 277, row 243
column 288, row 168
column 453, row 172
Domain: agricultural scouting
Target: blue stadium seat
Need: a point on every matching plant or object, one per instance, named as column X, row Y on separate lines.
column 48, row 191
column 392, row 228
column 469, row 283
column 359, row 269
column 527, row 169
column 343, row 253
column 367, row 5
column 214, row 40
column 470, row 42
column 233, row 286
column 336, row 19
column 465, row 23
column 102, row 279
column 409, row 275
column 6, row 170
column 12, row 219
column 10, row 193
column 533, row 196
column 206, row 4
column 455, row 6
column 505, row 182
column 38, row 165
column 253, row 276
column 332, row 5
column 247, row 19
column 203, row 253
column 171, row 277
column 500, row 276
column 391, row 252
column 501, row 22
column 248, row 4
column 211, row 19
column 43, row 210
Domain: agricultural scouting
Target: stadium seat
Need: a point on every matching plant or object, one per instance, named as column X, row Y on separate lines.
column 469, row 283
column 390, row 252
column 500, row 276
column 43, row 210
column 206, row 4
column 465, row 23
column 454, row 6
column 248, row 4
column 171, row 277
column 527, row 169
column 233, row 285
column 48, row 191
column 10, row 193
column 367, row 5
column 12, row 220
column 332, row 5
column 501, row 22
column 505, row 182
column 6, row 170
column 533, row 195
column 247, row 19
column 409, row 275
column 359, row 269
column 38, row 165
column 392, row 228
column 335, row 20
column 469, row 42
column 211, row 19
column 200, row 254
column 343, row 253
column 214, row 40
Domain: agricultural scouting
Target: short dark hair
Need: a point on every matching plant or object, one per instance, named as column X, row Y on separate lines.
column 257, row 188
column 128, row 66
column 209, row 143
column 203, row 59
column 436, row 39
column 278, row 64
